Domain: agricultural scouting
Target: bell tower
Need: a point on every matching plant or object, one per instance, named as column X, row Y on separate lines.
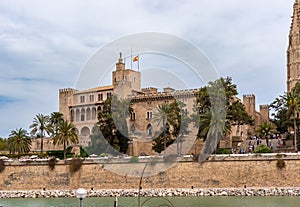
column 293, row 51
column 125, row 81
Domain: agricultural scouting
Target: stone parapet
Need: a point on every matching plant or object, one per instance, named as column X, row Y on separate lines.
column 261, row 171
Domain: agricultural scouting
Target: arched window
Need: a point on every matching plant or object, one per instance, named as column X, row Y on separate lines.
column 72, row 115
column 77, row 114
column 93, row 113
column 82, row 114
column 77, row 131
column 85, row 131
column 88, row 114
column 149, row 130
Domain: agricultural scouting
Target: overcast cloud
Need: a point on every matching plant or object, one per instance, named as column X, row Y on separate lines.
column 44, row 44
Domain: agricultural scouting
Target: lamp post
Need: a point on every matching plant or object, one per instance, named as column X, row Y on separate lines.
column 140, row 185
column 81, row 194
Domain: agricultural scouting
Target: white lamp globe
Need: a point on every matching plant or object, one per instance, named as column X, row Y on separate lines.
column 81, row 193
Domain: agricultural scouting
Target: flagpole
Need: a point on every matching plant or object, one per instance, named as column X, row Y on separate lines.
column 131, row 59
column 138, row 62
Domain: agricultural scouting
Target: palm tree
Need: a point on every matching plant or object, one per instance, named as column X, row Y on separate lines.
column 212, row 127
column 163, row 116
column 54, row 119
column 292, row 101
column 65, row 135
column 265, row 130
column 19, row 141
column 40, row 126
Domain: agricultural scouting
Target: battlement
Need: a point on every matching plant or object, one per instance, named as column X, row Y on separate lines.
column 188, row 93
column 64, row 90
column 249, row 96
column 264, row 106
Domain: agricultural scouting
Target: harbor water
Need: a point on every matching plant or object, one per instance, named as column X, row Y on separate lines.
column 218, row 201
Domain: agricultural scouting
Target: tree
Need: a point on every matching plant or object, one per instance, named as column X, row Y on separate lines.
column 213, row 101
column 162, row 117
column 65, row 135
column 121, row 109
column 19, row 141
column 265, row 130
column 293, row 104
column 3, row 144
column 112, row 122
column 287, row 108
column 218, row 111
column 173, row 122
column 99, row 145
column 39, row 126
column 54, row 119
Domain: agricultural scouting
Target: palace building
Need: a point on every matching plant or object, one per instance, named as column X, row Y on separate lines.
column 81, row 107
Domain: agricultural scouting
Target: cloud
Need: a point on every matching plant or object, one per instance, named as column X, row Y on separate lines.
column 44, row 44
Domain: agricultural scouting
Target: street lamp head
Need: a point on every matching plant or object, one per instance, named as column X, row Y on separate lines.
column 81, row 193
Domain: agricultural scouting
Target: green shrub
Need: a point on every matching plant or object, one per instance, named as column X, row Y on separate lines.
column 134, row 159
column 42, row 155
column 83, row 153
column 280, row 164
column 224, row 151
column 59, row 153
column 75, row 165
column 56, row 153
column 262, row 149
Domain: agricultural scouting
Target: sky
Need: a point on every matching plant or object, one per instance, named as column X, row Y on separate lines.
column 45, row 44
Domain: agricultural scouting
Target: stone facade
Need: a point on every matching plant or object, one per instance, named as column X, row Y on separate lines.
column 47, row 145
column 82, row 107
column 255, row 171
column 293, row 51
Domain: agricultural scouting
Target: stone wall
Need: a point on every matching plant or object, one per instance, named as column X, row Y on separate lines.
column 217, row 172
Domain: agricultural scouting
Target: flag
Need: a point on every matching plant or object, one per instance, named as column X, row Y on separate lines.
column 136, row 58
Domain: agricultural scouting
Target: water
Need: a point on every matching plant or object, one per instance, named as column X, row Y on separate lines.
column 274, row 201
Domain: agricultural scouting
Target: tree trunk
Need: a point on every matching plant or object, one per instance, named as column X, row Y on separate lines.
column 295, row 135
column 177, row 144
column 164, row 134
column 65, row 151
column 42, row 141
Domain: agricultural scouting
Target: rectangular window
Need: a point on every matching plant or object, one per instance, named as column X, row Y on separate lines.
column 91, row 98
column 132, row 116
column 184, row 112
column 100, row 97
column 149, row 115
column 108, row 95
column 82, row 99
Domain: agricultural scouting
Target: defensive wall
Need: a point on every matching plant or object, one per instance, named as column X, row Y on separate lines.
column 217, row 172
